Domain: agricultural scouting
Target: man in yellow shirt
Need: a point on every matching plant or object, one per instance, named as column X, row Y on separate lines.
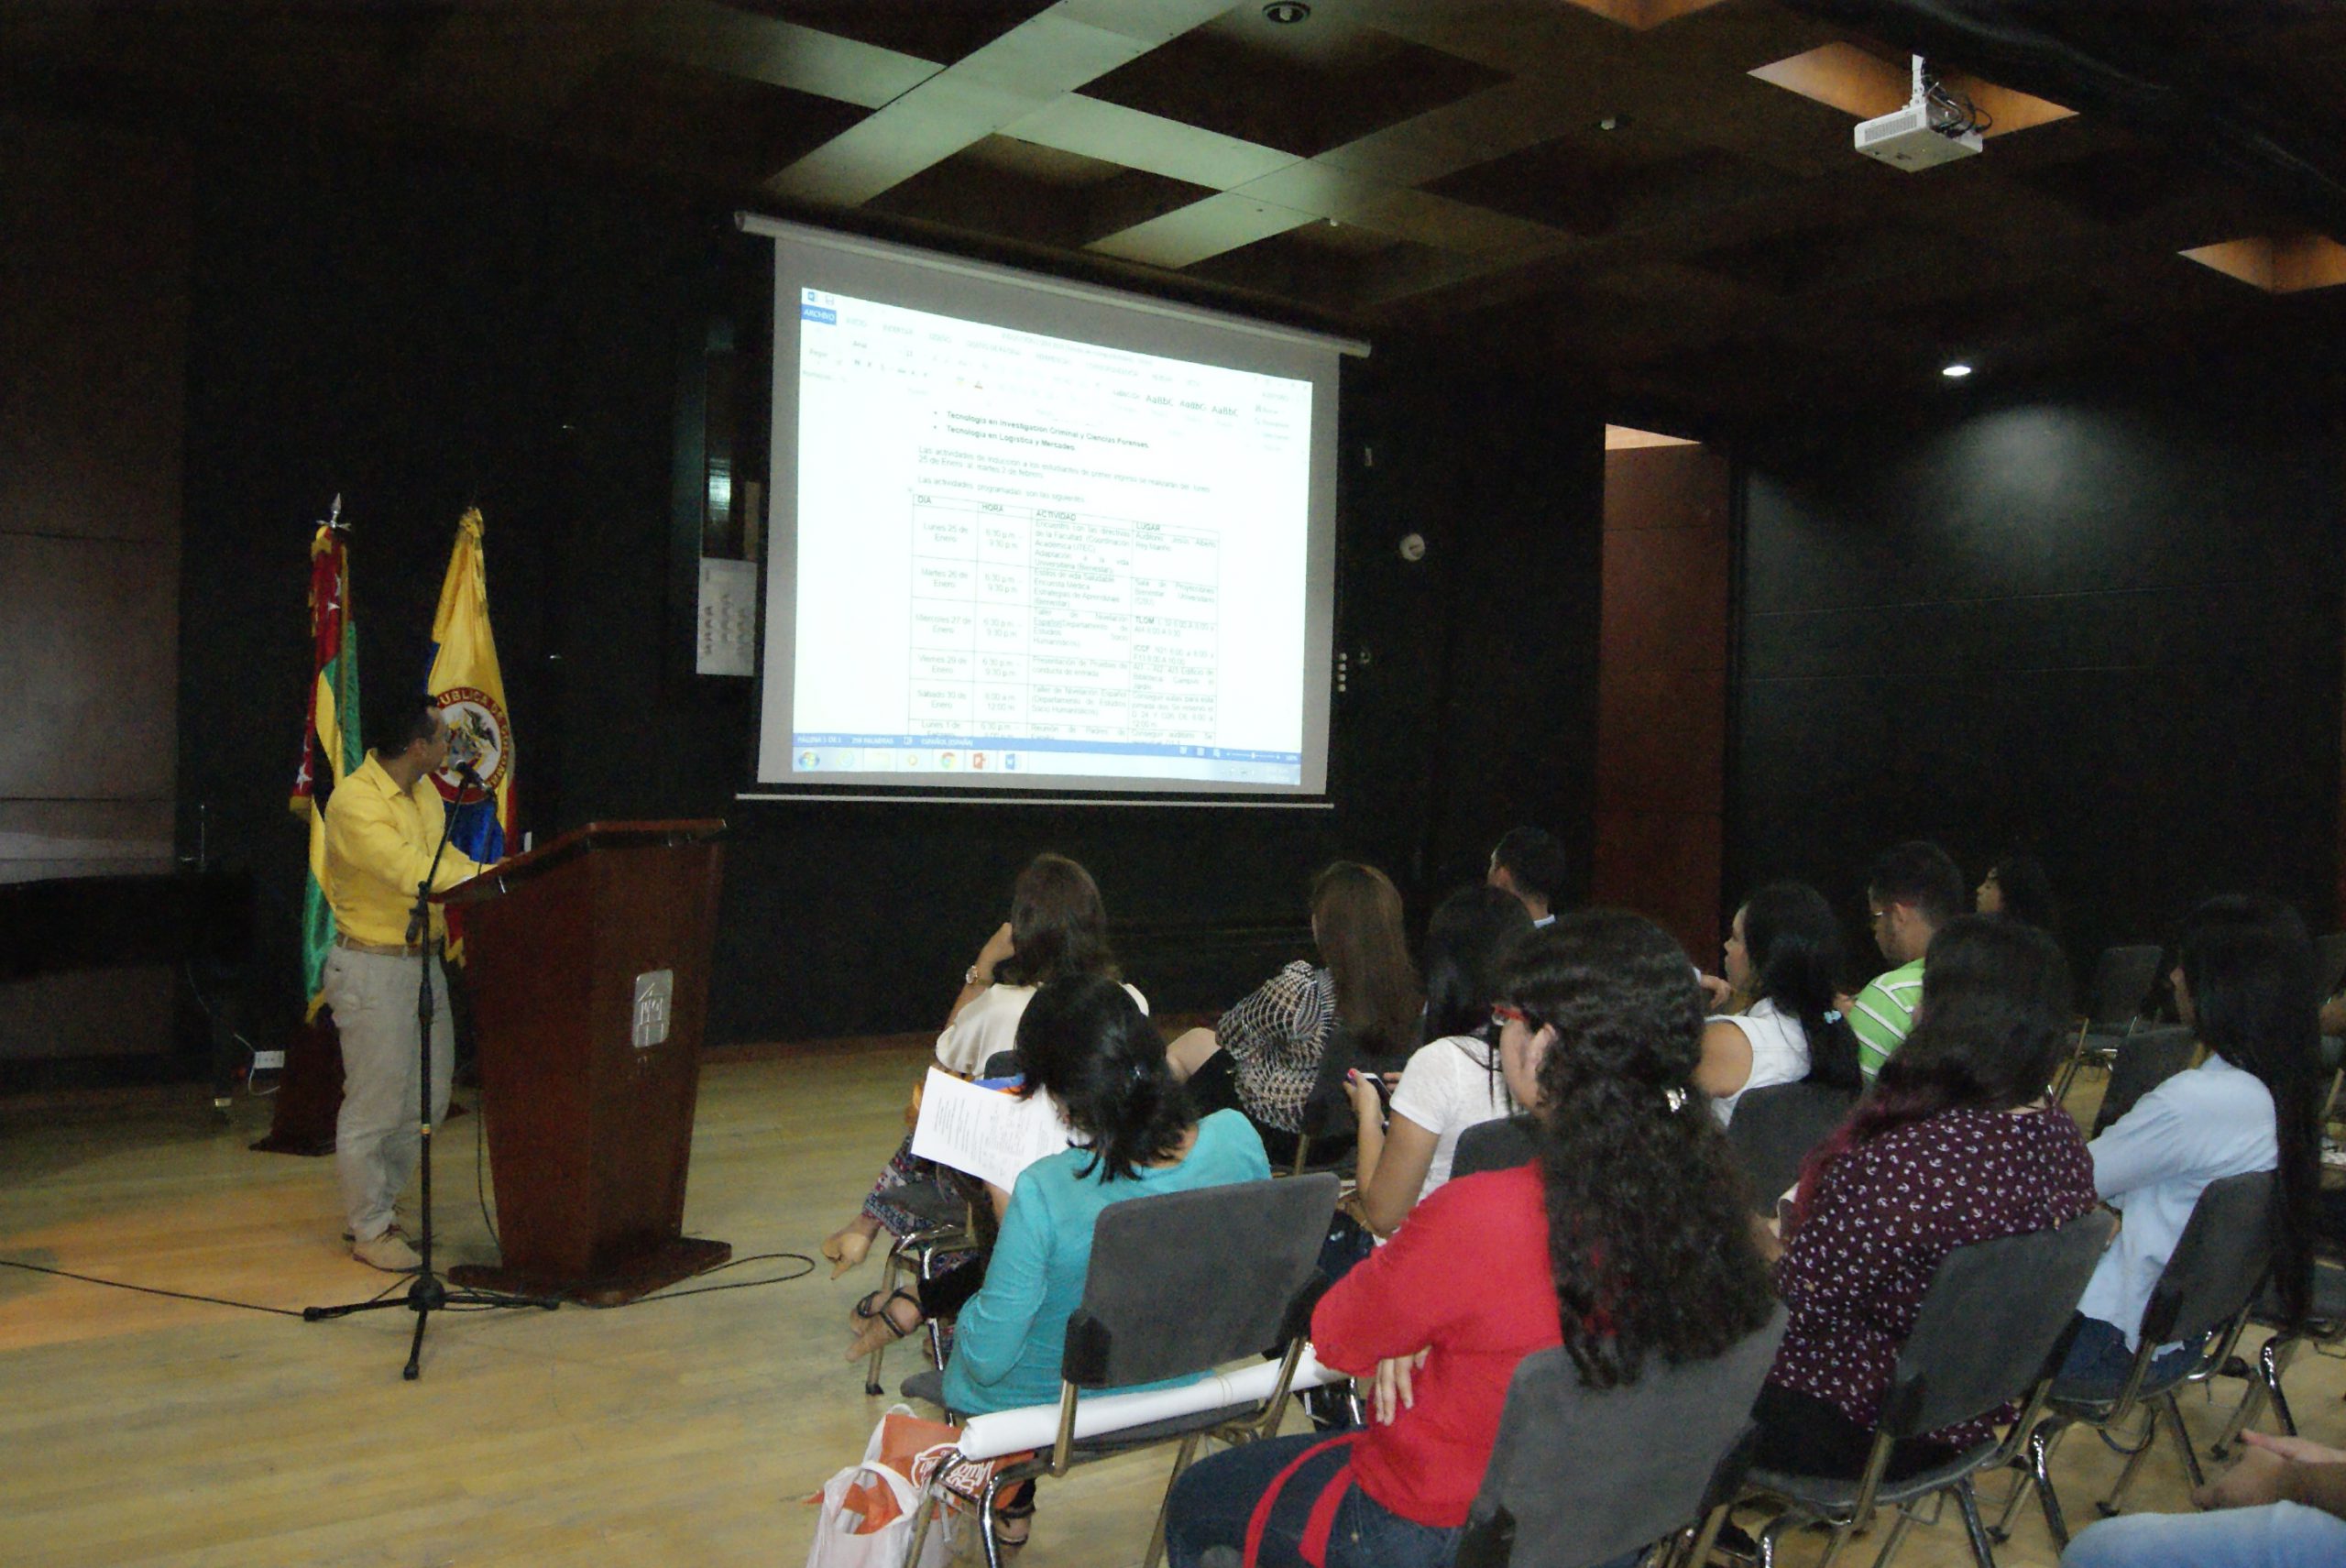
column 382, row 825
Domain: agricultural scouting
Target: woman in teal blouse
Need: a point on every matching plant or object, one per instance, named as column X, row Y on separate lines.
column 1084, row 1043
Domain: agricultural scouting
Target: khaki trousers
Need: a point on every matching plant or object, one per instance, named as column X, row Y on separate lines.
column 376, row 1137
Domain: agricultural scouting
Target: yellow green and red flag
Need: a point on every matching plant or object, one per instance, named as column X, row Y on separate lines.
column 330, row 743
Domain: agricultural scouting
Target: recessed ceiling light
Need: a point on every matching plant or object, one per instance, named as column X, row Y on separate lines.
column 1286, row 11
column 1956, row 371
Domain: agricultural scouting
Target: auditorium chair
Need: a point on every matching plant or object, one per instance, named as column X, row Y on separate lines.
column 1979, row 1343
column 2203, row 1294
column 1583, row 1476
column 1181, row 1283
column 1775, row 1127
column 2122, row 977
column 2142, row 1062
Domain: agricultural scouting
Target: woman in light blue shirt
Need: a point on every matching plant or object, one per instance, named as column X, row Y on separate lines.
column 2244, row 982
column 1083, row 1042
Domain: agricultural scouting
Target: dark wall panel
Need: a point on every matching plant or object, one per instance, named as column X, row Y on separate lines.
column 2099, row 622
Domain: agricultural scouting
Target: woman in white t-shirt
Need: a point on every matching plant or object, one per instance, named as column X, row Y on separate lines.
column 1057, row 928
column 1783, row 958
column 1454, row 1080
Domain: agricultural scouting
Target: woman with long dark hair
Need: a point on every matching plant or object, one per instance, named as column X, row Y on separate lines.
column 2017, row 888
column 1955, row 1144
column 1262, row 1057
column 1082, row 1042
column 1784, row 958
column 1452, row 1081
column 1626, row 1241
column 1057, row 928
column 2244, row 982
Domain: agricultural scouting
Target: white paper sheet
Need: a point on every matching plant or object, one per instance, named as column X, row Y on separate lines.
column 990, row 1133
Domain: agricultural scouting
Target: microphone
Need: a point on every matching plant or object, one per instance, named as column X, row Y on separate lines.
column 465, row 773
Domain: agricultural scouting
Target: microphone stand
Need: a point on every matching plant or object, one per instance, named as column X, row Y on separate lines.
column 426, row 1294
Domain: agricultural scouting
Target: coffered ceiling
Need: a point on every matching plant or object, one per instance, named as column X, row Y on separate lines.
column 1659, row 197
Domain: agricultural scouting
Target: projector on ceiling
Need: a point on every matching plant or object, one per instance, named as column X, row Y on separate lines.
column 1910, row 139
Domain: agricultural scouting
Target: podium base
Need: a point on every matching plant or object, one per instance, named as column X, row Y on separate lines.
column 656, row 1268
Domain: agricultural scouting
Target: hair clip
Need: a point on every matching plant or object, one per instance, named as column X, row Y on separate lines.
column 1833, row 1015
column 1676, row 1098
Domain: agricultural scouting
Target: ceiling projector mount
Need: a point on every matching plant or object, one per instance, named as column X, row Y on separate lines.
column 1937, row 125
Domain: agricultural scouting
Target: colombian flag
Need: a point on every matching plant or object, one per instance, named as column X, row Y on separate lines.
column 330, row 743
column 466, row 684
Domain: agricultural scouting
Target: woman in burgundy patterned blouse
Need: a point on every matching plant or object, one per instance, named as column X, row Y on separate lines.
column 1955, row 1144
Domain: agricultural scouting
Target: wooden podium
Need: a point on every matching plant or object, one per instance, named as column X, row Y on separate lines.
column 589, row 960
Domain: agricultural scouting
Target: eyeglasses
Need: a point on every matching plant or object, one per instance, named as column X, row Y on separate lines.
column 1507, row 1013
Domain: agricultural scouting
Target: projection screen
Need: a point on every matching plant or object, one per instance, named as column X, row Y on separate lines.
column 1028, row 535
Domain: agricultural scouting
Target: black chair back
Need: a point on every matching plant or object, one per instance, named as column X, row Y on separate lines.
column 1773, row 1130
column 1583, row 1476
column 2217, row 1263
column 2329, row 962
column 1185, row 1282
column 1996, row 1312
column 2146, row 1059
column 1001, row 1063
column 2120, row 984
column 1500, row 1144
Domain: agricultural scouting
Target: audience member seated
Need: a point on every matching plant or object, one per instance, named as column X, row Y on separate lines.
column 2245, row 985
column 1057, row 928
column 1262, row 1057
column 2283, row 1505
column 1955, row 1145
column 2017, row 888
column 1452, row 1081
column 1529, row 863
column 1912, row 890
column 1656, row 1263
column 1083, row 1042
column 1783, row 960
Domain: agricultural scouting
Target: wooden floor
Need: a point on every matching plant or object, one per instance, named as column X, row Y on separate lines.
column 136, row 1430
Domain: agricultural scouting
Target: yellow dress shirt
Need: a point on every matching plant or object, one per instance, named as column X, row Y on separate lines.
column 379, row 840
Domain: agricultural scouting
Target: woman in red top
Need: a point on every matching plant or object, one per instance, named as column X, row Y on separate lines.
column 1600, row 1031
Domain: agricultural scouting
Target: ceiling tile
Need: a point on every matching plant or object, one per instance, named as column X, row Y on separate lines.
column 1300, row 91
column 1047, row 56
column 1077, row 122
column 719, row 37
column 939, row 30
column 1221, row 222
column 893, row 144
column 1152, row 22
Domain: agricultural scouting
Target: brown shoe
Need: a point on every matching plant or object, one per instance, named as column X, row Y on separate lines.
column 387, row 1252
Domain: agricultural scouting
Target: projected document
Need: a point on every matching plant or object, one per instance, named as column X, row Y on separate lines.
column 1021, row 555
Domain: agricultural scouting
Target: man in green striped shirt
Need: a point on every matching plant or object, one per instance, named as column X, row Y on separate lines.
column 1912, row 890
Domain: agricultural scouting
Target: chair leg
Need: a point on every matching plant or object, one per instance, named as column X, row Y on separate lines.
column 1182, row 1458
column 2183, row 1442
column 985, row 1523
column 2110, row 1506
column 1969, row 1501
column 1770, row 1534
column 924, row 1512
column 2270, row 1362
column 1901, row 1522
column 2040, row 1456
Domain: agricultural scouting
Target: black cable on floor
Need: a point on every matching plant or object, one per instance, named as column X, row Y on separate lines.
column 736, row 1285
column 175, row 1295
